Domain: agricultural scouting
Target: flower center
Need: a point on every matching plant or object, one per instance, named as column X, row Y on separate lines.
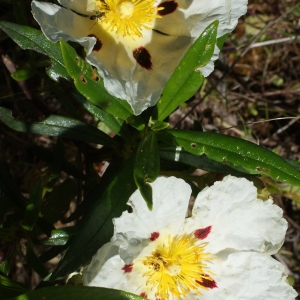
column 127, row 18
column 177, row 267
column 125, row 10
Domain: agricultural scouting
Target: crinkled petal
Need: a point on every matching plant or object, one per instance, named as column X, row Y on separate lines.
column 124, row 77
column 239, row 220
column 105, row 253
column 85, row 7
column 248, row 276
column 133, row 230
column 59, row 23
column 192, row 17
column 107, row 269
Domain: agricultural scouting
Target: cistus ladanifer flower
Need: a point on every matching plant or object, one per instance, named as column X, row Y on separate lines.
column 136, row 44
column 222, row 252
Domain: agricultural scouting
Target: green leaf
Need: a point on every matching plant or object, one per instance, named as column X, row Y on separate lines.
column 33, row 205
column 178, row 154
column 59, row 126
column 221, row 40
column 23, row 74
column 156, row 125
column 146, row 166
column 30, row 38
column 60, row 237
column 35, row 262
column 96, row 227
column 237, row 153
column 185, row 80
column 10, row 288
column 115, row 124
column 77, row 293
column 91, row 86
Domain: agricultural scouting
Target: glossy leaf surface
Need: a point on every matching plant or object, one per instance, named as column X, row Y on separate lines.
column 185, row 80
column 60, row 237
column 30, row 38
column 59, row 126
column 116, row 124
column 178, row 154
column 91, row 86
column 234, row 152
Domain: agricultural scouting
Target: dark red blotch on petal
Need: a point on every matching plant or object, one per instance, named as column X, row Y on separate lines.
column 202, row 233
column 98, row 44
column 143, row 294
column 169, row 7
column 143, row 57
column 127, row 268
column 154, row 236
column 208, row 283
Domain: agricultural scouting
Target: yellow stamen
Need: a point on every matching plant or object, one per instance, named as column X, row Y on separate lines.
column 127, row 17
column 177, row 267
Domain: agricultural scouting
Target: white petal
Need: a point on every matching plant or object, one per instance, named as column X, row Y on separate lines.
column 59, row 23
column 170, row 201
column 239, row 220
column 192, row 17
column 80, row 6
column 249, row 276
column 92, row 274
column 107, row 270
column 126, row 79
column 208, row 68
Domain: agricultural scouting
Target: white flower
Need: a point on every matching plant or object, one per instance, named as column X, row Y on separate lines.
column 136, row 44
column 222, row 252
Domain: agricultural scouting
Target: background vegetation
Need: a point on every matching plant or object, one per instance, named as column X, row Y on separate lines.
column 254, row 94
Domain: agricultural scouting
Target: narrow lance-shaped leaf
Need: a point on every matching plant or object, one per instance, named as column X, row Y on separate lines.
column 77, row 293
column 30, row 38
column 116, row 124
column 59, row 126
column 237, row 153
column 146, row 166
column 178, row 154
column 35, row 262
column 91, row 86
column 96, row 227
column 185, row 80
column 10, row 288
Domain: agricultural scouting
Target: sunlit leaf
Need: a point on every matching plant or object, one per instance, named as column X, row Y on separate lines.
column 185, row 80
column 239, row 154
column 30, row 38
column 91, row 86
column 59, row 126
